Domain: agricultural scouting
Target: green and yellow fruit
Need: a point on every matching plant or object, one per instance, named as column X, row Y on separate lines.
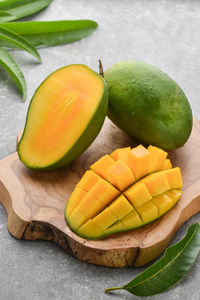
column 148, row 105
column 122, row 191
column 65, row 115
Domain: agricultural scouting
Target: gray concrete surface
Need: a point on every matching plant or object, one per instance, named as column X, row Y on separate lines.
column 163, row 33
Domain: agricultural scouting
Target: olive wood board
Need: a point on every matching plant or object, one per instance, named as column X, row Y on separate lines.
column 35, row 202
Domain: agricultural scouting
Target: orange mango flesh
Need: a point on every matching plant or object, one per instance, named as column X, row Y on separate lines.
column 61, row 103
column 124, row 190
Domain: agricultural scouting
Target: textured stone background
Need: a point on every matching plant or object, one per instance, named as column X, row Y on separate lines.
column 163, row 33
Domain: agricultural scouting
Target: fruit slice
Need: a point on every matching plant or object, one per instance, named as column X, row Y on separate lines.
column 148, row 212
column 166, row 165
column 174, row 178
column 76, row 197
column 100, row 167
column 163, row 202
column 65, row 115
column 120, row 154
column 88, row 180
column 138, row 194
column 156, row 183
column 120, row 207
column 120, row 175
column 138, row 160
column 101, row 204
column 158, row 158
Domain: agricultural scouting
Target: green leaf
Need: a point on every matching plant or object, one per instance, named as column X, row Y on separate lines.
column 9, row 64
column 22, row 8
column 52, row 33
column 166, row 272
column 19, row 41
column 5, row 16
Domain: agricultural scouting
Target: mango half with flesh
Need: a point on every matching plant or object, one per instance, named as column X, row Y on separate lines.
column 148, row 105
column 122, row 191
column 65, row 115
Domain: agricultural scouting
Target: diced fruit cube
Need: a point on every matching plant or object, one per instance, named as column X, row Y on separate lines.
column 132, row 220
column 120, row 154
column 120, row 175
column 163, row 202
column 104, row 192
column 104, row 219
column 88, row 180
column 90, row 229
column 76, row 197
column 158, row 156
column 100, row 166
column 120, row 207
column 148, row 212
column 138, row 194
column 166, row 165
column 138, row 161
column 174, row 178
column 156, row 183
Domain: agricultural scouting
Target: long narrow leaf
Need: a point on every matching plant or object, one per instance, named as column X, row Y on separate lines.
column 166, row 272
column 19, row 41
column 23, row 8
column 5, row 16
column 9, row 64
column 52, row 33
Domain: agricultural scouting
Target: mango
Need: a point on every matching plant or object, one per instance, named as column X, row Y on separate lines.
column 65, row 115
column 148, row 105
column 122, row 191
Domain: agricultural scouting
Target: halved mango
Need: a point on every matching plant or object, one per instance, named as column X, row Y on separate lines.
column 116, row 200
column 64, row 117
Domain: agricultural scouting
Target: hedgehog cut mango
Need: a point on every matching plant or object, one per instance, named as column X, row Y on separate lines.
column 65, row 115
column 122, row 191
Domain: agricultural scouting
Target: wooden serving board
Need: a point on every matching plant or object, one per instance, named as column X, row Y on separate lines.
column 35, row 202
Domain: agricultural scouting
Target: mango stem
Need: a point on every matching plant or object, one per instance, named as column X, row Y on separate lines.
column 101, row 68
column 113, row 288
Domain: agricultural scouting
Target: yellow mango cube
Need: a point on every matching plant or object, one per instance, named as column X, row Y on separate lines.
column 174, row 195
column 174, row 178
column 90, row 229
column 88, row 180
column 116, row 227
column 104, row 192
column 132, row 220
column 156, row 183
column 163, row 202
column 76, row 197
column 120, row 207
column 120, row 175
column 87, row 209
column 148, row 212
column 104, row 219
column 167, row 164
column 138, row 161
column 138, row 194
column 100, row 166
column 120, row 154
column 157, row 158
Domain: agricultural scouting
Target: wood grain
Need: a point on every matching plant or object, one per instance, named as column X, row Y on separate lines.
column 35, row 201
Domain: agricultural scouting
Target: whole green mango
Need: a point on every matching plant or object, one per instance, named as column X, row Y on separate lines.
column 148, row 105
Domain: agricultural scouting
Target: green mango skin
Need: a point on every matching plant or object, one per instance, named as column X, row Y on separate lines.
column 148, row 105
